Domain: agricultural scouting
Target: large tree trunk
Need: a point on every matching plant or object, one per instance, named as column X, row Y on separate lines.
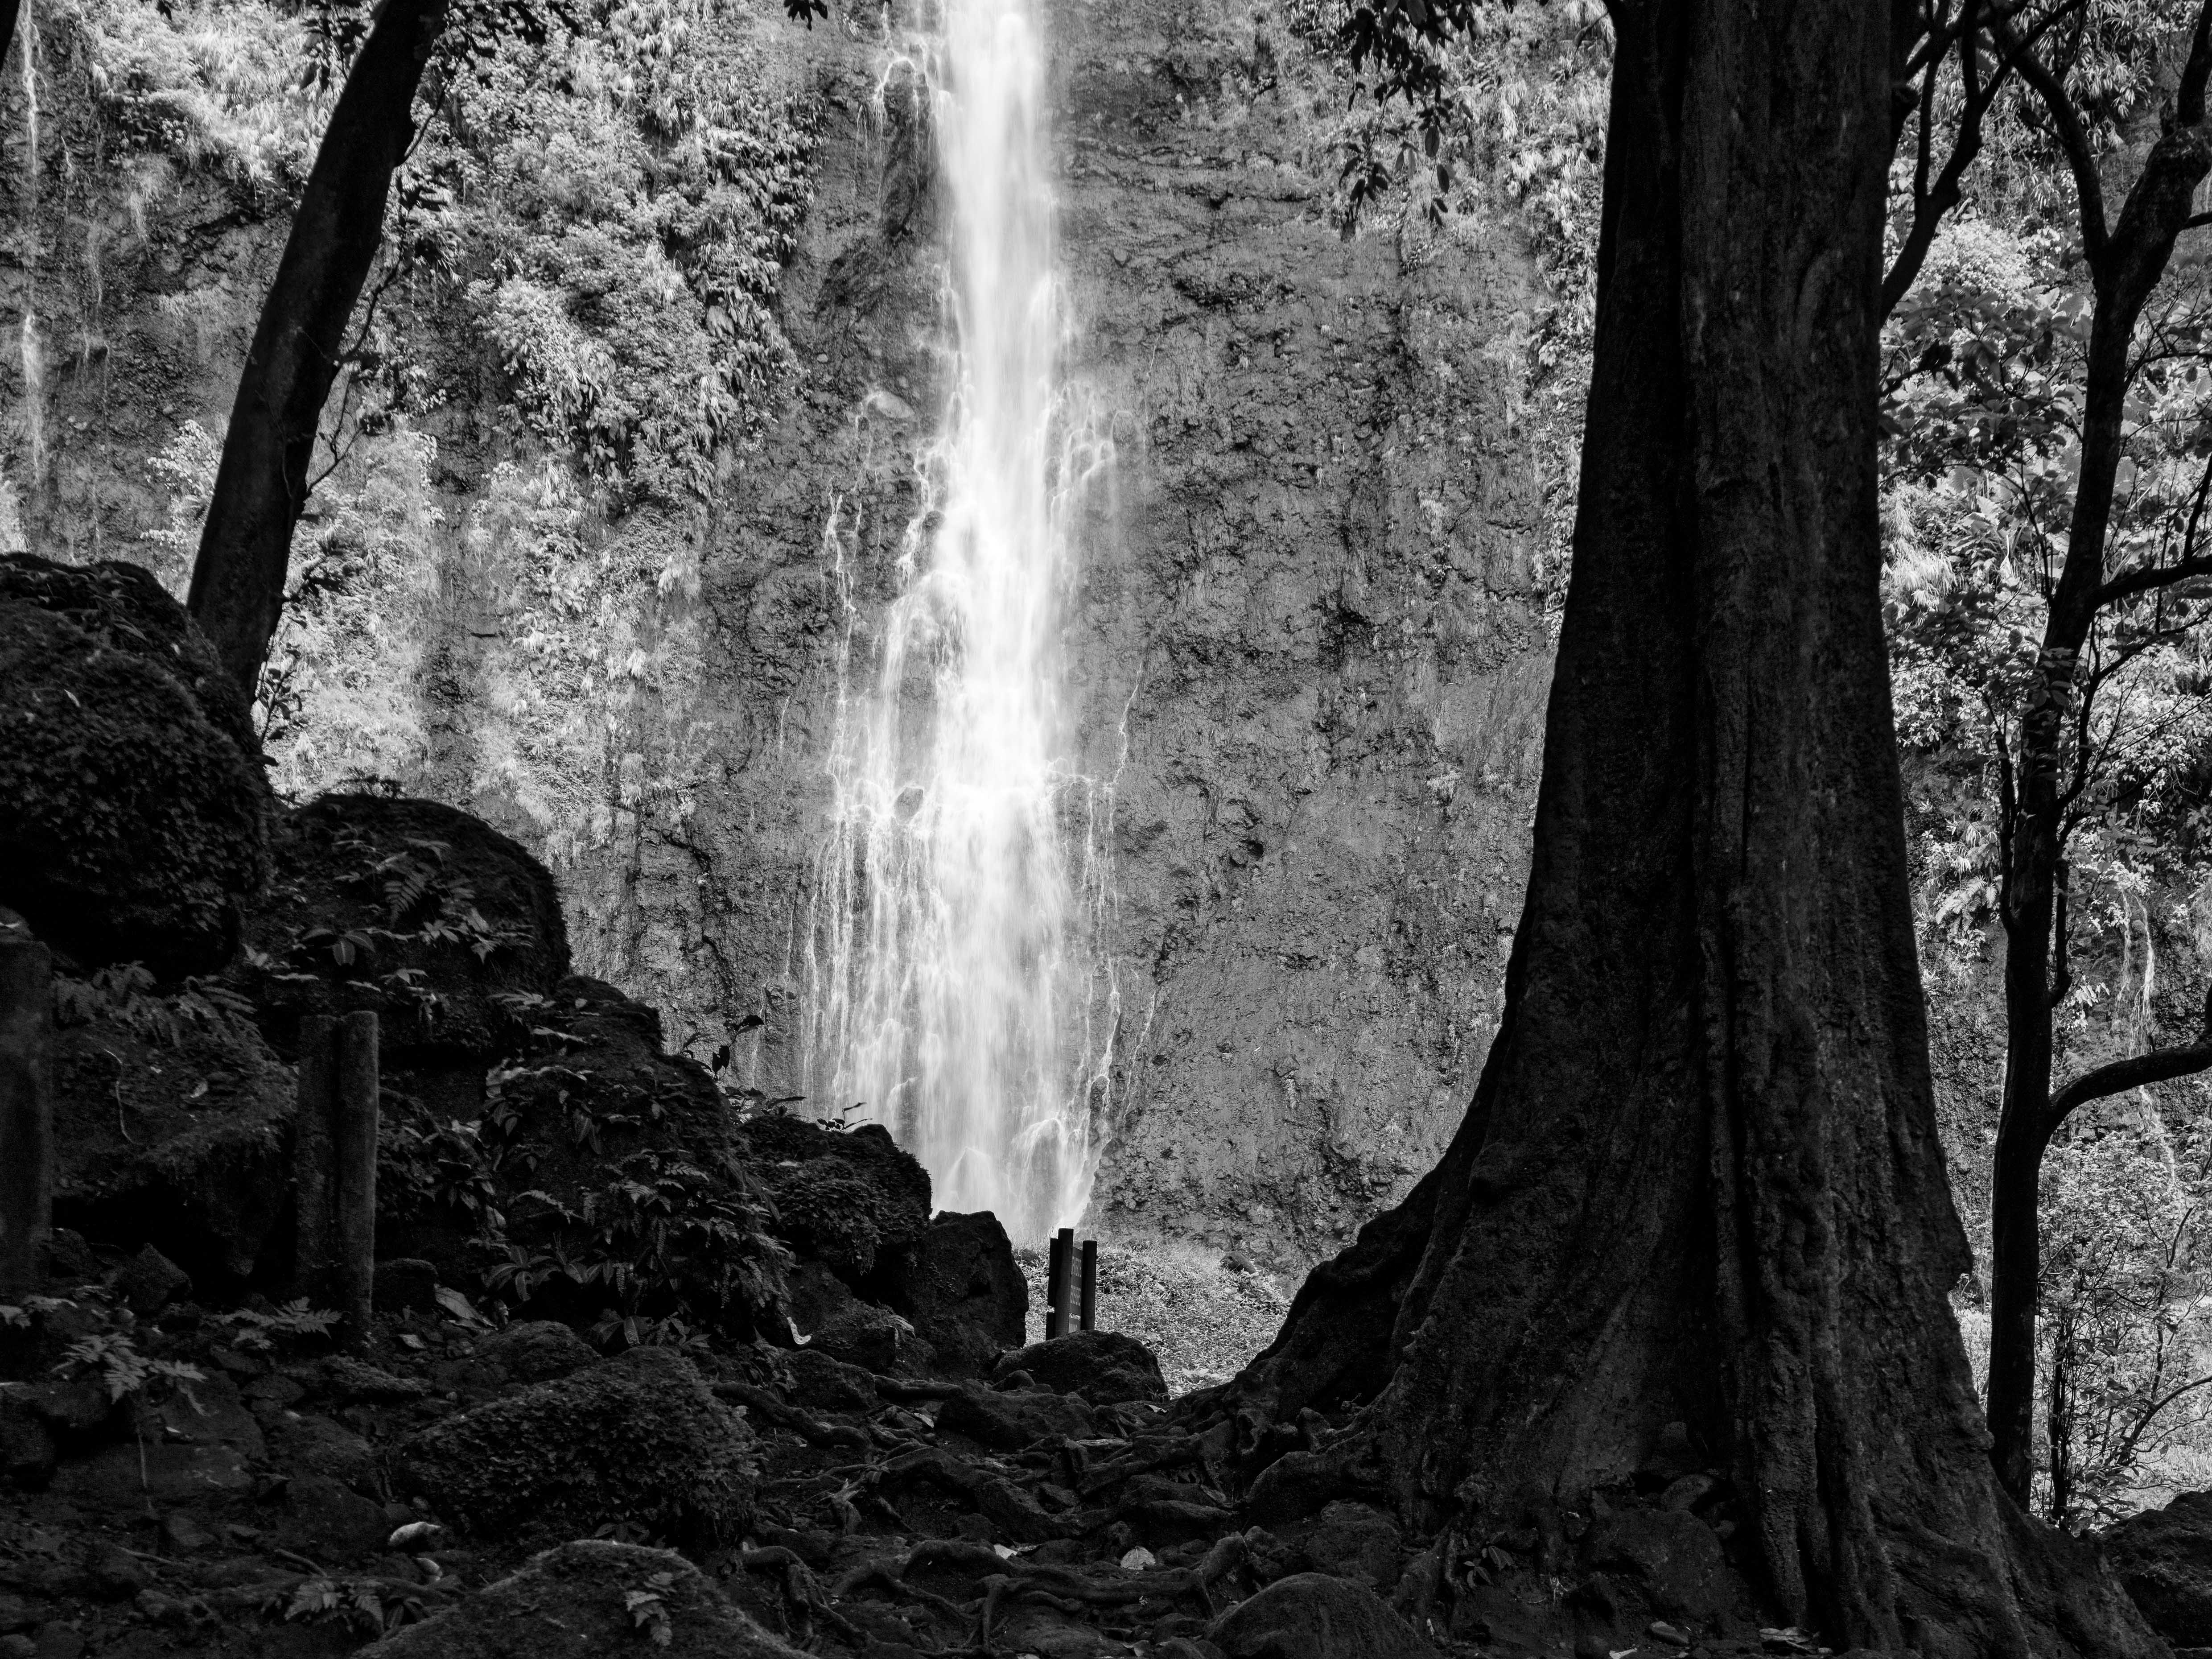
column 261, row 485
column 1699, row 1181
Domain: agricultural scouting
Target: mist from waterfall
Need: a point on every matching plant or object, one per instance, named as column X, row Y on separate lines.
column 958, row 991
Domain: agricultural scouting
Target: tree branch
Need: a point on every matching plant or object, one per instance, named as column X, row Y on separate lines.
column 2073, row 136
column 2150, row 578
column 2136, row 1071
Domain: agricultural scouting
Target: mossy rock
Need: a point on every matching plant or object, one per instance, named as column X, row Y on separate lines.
column 134, row 812
column 175, row 1139
column 422, row 913
column 639, row 1437
column 580, row 1599
column 125, row 608
column 851, row 1199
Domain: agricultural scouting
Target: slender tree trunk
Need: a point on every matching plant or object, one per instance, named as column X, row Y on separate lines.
column 2023, row 1121
column 261, row 485
column 2062, row 1419
column 2125, row 269
column 1699, row 1181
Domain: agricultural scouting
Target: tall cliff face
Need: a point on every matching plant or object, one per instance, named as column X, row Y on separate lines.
column 1307, row 649
column 1306, row 655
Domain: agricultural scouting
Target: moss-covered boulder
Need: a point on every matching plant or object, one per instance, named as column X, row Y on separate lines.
column 592, row 1597
column 171, row 1115
column 851, row 1199
column 126, row 609
column 134, row 810
column 638, row 1438
column 449, row 931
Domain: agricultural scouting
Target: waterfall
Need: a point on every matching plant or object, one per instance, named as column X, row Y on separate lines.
column 33, row 359
column 957, row 990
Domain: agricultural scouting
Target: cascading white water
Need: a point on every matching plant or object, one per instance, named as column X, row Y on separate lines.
column 958, row 991
column 33, row 359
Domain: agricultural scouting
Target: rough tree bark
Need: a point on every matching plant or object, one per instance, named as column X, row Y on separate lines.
column 1699, row 1181
column 261, row 485
column 2126, row 262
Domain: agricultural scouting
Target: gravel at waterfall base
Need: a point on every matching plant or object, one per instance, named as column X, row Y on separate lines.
column 1203, row 1319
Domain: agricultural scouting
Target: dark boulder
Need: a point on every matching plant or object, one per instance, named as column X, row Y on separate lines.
column 1105, row 1367
column 963, row 1291
column 1009, row 1422
column 28, row 1449
column 324, row 1515
column 150, row 1281
column 406, row 1283
column 1353, row 1540
column 874, row 1339
column 1669, row 1559
column 182, row 1448
column 534, row 1350
column 171, row 1117
column 1311, row 1615
column 640, row 1437
column 828, row 1318
column 448, row 930
column 821, row 1383
column 528, row 1352
column 312, row 1443
column 589, row 1597
column 134, row 810
column 847, row 1198
column 2163, row 1557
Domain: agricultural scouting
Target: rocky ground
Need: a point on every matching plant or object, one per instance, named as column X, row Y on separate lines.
column 436, row 1485
column 649, row 1367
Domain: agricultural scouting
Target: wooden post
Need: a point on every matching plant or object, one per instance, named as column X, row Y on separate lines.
column 353, row 1149
column 1052, row 1274
column 1058, row 1270
column 314, row 1257
column 27, row 1107
column 1088, row 1302
column 334, row 1166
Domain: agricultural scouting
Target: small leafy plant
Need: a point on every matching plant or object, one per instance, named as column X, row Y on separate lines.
column 359, row 1604
column 125, row 1371
column 110, row 1348
column 253, row 1332
column 125, row 994
column 648, row 1608
column 664, row 1250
